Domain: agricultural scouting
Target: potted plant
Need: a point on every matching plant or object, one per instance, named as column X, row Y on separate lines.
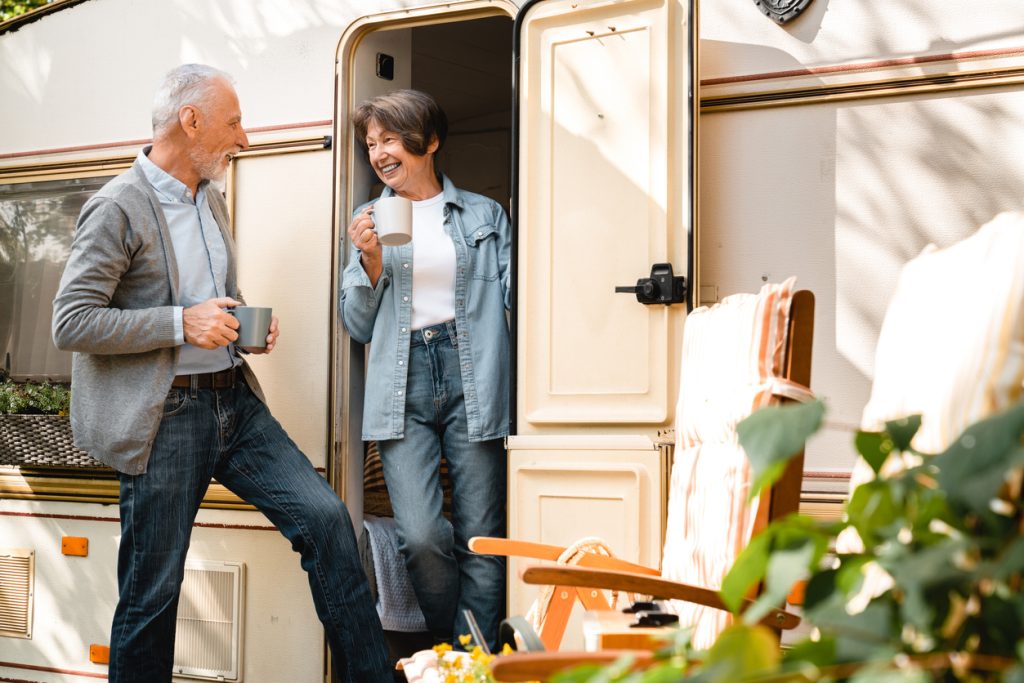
column 945, row 536
column 34, row 425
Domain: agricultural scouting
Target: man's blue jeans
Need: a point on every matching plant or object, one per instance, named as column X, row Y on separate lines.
column 231, row 435
column 446, row 577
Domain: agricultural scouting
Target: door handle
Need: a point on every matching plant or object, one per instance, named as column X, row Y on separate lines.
column 662, row 287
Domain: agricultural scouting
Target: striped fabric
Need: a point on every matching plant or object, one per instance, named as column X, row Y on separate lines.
column 732, row 354
column 951, row 347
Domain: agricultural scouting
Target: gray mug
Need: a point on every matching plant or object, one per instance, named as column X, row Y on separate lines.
column 253, row 325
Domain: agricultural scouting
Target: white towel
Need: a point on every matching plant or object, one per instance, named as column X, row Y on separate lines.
column 396, row 602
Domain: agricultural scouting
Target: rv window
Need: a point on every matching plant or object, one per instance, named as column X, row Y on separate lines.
column 37, row 222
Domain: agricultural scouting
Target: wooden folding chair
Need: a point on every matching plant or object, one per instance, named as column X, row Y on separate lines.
column 744, row 353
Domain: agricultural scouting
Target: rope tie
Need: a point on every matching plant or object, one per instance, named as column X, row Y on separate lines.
column 572, row 555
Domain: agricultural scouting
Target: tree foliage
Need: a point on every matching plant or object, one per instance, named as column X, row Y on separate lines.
column 12, row 8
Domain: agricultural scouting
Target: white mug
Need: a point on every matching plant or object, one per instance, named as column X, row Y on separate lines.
column 392, row 218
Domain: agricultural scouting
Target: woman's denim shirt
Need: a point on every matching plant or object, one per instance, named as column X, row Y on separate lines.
column 482, row 236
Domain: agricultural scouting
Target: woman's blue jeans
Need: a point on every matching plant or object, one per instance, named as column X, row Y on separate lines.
column 231, row 435
column 446, row 576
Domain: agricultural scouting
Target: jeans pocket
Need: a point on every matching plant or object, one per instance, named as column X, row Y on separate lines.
column 176, row 402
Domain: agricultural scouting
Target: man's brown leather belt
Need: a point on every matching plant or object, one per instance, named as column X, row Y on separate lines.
column 225, row 379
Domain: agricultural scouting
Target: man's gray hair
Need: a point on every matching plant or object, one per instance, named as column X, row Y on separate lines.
column 187, row 84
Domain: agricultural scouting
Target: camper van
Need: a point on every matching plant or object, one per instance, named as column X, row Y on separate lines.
column 728, row 145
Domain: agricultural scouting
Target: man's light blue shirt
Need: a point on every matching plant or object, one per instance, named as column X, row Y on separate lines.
column 201, row 256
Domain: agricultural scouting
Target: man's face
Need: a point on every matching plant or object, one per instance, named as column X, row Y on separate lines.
column 219, row 134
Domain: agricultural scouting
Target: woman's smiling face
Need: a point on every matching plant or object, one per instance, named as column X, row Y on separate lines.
column 409, row 175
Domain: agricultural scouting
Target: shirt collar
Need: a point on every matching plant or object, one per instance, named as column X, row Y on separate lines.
column 163, row 182
column 448, row 189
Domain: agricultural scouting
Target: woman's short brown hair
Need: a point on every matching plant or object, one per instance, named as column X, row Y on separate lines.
column 415, row 116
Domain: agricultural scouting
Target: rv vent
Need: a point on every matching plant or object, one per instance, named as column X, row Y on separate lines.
column 208, row 641
column 17, row 576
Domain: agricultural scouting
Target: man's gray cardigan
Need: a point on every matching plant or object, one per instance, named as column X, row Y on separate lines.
column 115, row 310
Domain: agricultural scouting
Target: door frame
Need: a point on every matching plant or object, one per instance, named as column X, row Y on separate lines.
column 348, row 358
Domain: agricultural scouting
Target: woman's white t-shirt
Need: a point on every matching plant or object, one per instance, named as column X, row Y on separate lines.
column 433, row 265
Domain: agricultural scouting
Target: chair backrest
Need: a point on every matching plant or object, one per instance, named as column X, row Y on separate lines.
column 951, row 347
column 741, row 354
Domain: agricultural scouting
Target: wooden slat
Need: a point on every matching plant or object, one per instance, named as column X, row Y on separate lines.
column 645, row 585
column 540, row 666
column 15, row 593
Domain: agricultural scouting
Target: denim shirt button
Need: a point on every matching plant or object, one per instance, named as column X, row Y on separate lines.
column 400, row 392
column 405, row 298
column 403, row 329
column 405, row 265
column 401, row 362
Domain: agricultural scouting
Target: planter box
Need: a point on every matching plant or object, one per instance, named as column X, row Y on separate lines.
column 40, row 441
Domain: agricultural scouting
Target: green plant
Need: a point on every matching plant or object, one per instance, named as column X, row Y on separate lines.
column 34, row 399
column 943, row 552
column 12, row 8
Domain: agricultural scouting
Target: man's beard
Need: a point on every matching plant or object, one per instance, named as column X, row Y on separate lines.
column 210, row 167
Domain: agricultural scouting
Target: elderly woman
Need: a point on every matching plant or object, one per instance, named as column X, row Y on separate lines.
column 433, row 311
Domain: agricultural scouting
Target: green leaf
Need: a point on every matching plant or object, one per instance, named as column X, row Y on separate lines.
column 742, row 651
column 859, row 637
column 617, row 671
column 820, row 588
column 586, row 673
column 874, row 447
column 669, row 672
column 902, row 431
column 785, row 568
column 915, row 610
column 886, row 674
column 747, row 570
column 871, row 508
column 818, row 653
column 1009, row 562
column 1015, row 674
column 772, row 435
column 974, row 467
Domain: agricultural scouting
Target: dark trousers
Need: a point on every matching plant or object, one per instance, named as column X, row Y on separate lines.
column 229, row 434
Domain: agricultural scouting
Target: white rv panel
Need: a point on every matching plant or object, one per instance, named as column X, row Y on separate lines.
column 571, row 488
column 286, row 199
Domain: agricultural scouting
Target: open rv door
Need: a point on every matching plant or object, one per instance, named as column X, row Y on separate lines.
column 604, row 189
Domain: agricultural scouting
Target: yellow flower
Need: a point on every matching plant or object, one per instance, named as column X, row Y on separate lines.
column 441, row 648
column 465, row 640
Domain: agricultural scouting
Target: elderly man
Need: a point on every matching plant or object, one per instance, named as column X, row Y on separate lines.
column 162, row 395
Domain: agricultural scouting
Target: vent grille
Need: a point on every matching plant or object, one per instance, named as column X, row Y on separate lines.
column 207, row 643
column 17, row 576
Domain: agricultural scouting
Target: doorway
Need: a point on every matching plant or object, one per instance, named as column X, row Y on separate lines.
column 462, row 55
column 466, row 66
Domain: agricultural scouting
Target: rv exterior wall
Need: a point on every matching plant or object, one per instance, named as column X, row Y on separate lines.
column 842, row 192
column 75, row 596
column 838, row 192
column 281, row 55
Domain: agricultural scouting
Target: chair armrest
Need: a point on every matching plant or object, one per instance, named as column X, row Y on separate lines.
column 486, row 545
column 539, row 666
column 645, row 585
